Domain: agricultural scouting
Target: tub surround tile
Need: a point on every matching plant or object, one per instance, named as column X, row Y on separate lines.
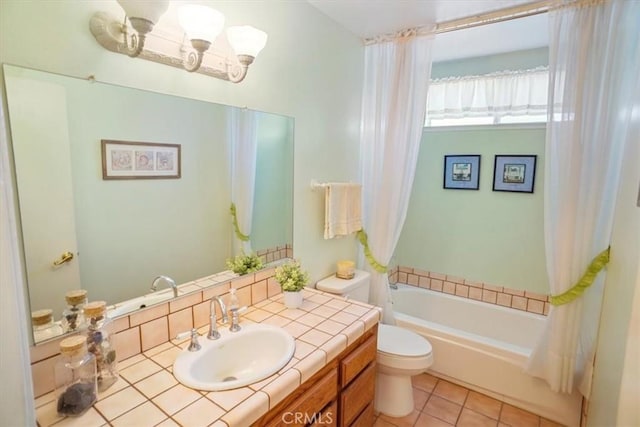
column 475, row 293
column 489, row 296
column 535, row 306
column 473, row 283
column 437, row 285
column 403, row 277
column 424, row 282
column 438, row 276
column 462, row 291
column 504, row 299
column 413, row 279
column 405, row 269
column 519, row 303
column 492, row 288
column 449, row 288
column 516, row 292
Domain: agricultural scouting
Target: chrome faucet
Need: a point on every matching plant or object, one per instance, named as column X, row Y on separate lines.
column 213, row 327
column 194, row 345
column 169, row 281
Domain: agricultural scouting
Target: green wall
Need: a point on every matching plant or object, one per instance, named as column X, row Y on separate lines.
column 488, row 236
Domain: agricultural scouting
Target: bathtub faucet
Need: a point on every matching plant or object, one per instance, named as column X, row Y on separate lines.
column 393, row 285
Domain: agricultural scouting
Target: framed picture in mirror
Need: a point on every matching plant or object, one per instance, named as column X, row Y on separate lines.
column 140, row 160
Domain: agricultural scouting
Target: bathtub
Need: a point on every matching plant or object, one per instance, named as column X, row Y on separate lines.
column 483, row 347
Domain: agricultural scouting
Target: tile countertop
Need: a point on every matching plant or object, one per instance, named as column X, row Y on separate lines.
column 147, row 393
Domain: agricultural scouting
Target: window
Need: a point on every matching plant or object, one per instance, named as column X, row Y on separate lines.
column 498, row 98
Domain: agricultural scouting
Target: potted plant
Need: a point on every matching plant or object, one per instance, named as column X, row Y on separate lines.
column 292, row 280
column 243, row 264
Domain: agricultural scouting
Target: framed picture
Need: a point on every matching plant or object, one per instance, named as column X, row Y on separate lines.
column 514, row 173
column 139, row 160
column 462, row 172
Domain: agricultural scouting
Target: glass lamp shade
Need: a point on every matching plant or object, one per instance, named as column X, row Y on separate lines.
column 200, row 22
column 149, row 10
column 246, row 40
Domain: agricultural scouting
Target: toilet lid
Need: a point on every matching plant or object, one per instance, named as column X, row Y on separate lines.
column 402, row 342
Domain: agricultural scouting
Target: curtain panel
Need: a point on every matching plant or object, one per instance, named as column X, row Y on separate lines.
column 497, row 94
column 594, row 63
column 393, row 112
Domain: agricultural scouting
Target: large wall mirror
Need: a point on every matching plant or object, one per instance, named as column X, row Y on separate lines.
column 123, row 233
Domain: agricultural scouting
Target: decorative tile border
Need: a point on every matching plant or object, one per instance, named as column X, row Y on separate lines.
column 276, row 253
column 465, row 288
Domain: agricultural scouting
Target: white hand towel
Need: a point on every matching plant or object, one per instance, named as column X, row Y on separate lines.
column 342, row 209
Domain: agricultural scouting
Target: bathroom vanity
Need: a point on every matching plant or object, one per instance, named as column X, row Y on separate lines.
column 340, row 394
column 329, row 381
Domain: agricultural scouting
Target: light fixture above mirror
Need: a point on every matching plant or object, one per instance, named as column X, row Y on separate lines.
column 140, row 36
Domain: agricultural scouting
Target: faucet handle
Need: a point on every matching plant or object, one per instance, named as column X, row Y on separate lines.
column 235, row 318
column 194, row 345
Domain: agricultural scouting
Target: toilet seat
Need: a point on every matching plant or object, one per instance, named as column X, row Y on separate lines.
column 401, row 342
column 402, row 349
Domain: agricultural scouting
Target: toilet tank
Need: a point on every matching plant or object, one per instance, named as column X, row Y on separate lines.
column 356, row 289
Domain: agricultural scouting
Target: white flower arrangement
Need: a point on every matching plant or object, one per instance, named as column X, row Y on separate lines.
column 291, row 277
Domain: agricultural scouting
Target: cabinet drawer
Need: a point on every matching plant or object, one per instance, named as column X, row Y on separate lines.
column 358, row 395
column 355, row 362
column 365, row 419
column 301, row 412
column 329, row 416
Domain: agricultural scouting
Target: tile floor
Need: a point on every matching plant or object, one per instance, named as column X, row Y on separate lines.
column 439, row 403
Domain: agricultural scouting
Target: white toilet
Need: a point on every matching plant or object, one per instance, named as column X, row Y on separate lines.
column 401, row 352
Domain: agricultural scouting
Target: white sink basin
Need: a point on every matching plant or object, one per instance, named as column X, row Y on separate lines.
column 138, row 303
column 236, row 359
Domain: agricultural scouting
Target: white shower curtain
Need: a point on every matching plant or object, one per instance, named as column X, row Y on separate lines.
column 594, row 70
column 397, row 74
column 242, row 124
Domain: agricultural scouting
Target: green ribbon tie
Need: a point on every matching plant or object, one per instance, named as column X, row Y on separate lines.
column 236, row 227
column 362, row 237
column 585, row 281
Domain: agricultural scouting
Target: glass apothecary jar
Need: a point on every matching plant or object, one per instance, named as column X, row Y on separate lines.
column 100, row 342
column 72, row 316
column 43, row 325
column 75, row 377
